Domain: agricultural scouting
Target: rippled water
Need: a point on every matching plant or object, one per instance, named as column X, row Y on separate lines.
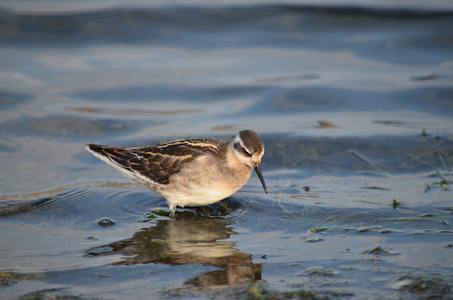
column 354, row 105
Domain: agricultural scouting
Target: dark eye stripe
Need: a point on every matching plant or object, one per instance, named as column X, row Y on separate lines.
column 238, row 148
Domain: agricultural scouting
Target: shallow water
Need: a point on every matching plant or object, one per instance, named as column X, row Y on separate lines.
column 354, row 105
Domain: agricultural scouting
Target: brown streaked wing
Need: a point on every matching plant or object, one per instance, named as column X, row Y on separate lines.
column 157, row 167
column 120, row 156
column 165, row 160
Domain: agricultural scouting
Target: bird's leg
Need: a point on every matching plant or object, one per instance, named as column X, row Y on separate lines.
column 172, row 210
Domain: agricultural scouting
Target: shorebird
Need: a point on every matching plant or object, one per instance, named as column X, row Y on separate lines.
column 190, row 172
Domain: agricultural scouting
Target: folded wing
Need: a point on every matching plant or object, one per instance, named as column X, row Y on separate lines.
column 154, row 164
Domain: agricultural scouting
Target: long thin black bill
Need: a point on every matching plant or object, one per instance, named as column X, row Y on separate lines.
column 260, row 176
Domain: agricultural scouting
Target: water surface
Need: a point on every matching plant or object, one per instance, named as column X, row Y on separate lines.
column 354, row 105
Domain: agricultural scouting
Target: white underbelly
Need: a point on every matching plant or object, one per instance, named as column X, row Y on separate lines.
column 205, row 183
column 198, row 196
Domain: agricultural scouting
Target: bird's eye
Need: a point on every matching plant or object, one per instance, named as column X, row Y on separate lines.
column 246, row 152
column 242, row 150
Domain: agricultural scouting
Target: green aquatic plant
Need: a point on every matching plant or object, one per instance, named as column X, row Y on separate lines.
column 423, row 132
column 367, row 160
column 438, row 157
column 148, row 217
column 444, row 184
column 396, row 203
column 14, row 276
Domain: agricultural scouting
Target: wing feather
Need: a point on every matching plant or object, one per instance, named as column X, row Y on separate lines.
column 156, row 163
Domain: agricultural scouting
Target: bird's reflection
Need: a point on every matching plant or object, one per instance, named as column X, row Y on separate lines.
column 189, row 238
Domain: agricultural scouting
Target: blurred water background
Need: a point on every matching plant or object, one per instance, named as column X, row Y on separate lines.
column 354, row 102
